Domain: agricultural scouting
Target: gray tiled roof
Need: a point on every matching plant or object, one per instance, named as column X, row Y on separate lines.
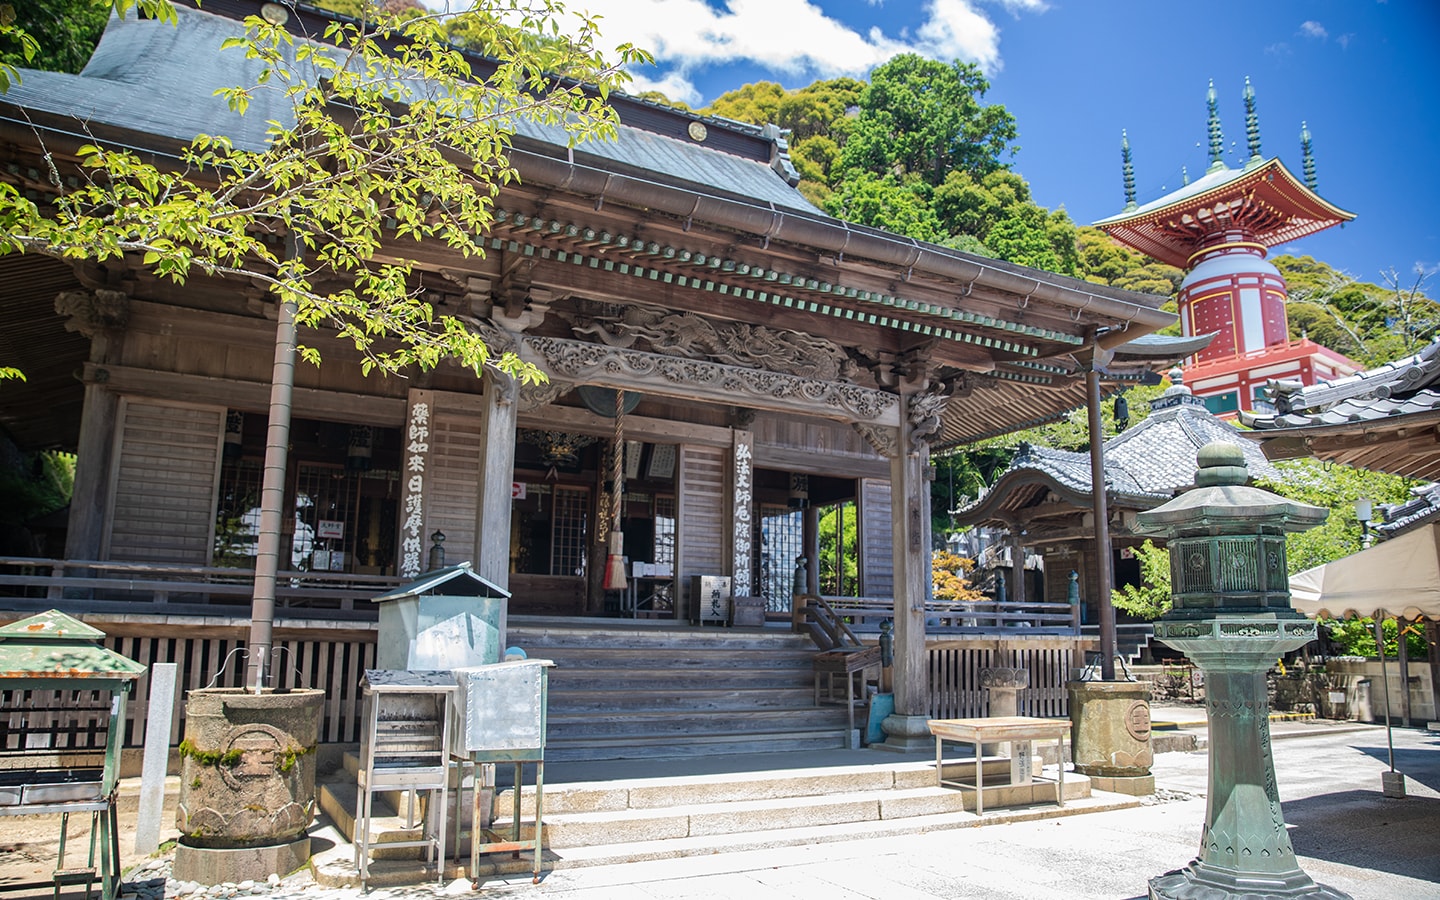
column 1144, row 465
column 1423, row 507
column 153, row 78
column 1403, row 387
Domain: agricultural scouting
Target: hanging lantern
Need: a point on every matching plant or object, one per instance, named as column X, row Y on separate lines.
column 359, row 448
column 234, row 435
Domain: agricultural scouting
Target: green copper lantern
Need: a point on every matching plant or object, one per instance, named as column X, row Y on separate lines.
column 1232, row 617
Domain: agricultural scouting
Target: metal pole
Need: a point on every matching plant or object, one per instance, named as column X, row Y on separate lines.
column 1384, row 680
column 1102, row 526
column 272, row 492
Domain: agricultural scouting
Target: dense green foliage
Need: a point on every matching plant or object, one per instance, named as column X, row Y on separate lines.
column 65, row 32
column 1151, row 598
column 37, row 485
column 1336, row 488
column 355, row 172
column 1356, row 637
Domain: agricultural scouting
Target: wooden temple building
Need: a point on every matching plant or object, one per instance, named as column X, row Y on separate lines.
column 1219, row 229
column 772, row 362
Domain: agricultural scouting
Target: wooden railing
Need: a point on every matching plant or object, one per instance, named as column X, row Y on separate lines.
column 863, row 615
column 92, row 586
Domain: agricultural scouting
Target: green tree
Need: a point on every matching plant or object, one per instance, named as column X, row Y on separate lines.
column 1150, row 599
column 1356, row 637
column 64, row 33
column 1335, row 487
column 839, row 551
column 352, row 162
column 923, row 117
column 896, row 204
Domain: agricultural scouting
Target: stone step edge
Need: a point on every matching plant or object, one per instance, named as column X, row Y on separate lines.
column 334, row 867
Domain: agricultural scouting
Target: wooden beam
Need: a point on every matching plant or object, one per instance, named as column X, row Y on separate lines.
column 655, row 431
column 252, row 396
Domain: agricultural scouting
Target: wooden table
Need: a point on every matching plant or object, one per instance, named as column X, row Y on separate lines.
column 994, row 730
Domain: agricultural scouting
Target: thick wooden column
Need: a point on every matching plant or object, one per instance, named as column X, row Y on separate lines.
column 90, row 501
column 497, row 474
column 910, row 510
column 810, row 537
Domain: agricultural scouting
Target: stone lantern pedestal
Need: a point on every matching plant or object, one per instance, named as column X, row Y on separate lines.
column 1232, row 617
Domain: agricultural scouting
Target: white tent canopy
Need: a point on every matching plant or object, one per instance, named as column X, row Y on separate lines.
column 1399, row 577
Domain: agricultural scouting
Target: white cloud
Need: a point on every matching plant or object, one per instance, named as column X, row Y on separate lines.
column 1313, row 29
column 793, row 38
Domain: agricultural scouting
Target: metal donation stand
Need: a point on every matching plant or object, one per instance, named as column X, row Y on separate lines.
column 406, row 747
column 61, row 722
column 502, row 720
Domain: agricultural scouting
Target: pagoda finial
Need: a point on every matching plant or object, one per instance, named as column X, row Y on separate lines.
column 1309, row 155
column 1129, row 171
column 1252, row 126
column 1217, row 137
column 1184, row 175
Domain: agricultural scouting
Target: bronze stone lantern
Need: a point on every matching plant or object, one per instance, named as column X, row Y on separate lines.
column 1232, row 617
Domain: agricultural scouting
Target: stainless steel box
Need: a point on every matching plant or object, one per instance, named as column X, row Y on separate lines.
column 501, row 707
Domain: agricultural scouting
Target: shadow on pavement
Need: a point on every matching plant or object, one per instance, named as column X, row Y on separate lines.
column 1422, row 765
column 1369, row 831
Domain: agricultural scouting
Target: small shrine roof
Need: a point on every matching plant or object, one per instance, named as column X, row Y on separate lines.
column 1145, row 465
column 1265, row 199
column 1422, row 508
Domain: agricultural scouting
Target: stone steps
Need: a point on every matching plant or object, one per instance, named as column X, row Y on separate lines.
column 607, row 822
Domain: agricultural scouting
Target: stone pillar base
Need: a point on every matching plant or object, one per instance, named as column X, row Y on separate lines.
column 205, row 865
column 1199, row 881
column 1132, row 785
column 907, row 733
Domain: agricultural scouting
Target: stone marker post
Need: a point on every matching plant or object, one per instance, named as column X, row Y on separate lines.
column 1232, row 617
column 1004, row 685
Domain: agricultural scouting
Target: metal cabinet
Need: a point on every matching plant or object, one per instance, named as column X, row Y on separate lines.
column 405, row 749
column 501, row 713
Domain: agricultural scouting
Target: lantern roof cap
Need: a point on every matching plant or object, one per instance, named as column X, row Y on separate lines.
column 1222, row 502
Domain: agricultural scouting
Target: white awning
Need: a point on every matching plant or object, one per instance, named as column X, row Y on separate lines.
column 1398, row 577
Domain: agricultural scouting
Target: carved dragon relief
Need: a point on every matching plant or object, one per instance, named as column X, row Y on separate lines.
column 687, row 335
column 884, row 440
column 578, row 361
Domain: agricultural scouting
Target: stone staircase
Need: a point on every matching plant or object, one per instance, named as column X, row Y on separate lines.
column 631, row 820
column 627, row 691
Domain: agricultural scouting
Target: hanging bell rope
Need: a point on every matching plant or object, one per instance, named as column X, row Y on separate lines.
column 615, row 564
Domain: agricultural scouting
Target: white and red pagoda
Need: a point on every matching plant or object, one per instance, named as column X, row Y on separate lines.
column 1219, row 229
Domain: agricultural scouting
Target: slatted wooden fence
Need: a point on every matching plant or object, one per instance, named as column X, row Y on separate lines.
column 954, row 669
column 332, row 660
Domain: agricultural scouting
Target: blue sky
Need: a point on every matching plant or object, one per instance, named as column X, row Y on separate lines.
column 1365, row 75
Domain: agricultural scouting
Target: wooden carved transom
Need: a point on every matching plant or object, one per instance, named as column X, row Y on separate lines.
column 582, row 362
column 687, row 335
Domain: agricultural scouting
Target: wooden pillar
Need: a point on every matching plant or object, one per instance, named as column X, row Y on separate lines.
column 1432, row 643
column 810, row 536
column 497, row 474
column 1102, row 527
column 90, row 501
column 1017, row 563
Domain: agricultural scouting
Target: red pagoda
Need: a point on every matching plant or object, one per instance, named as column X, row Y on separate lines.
column 1219, row 229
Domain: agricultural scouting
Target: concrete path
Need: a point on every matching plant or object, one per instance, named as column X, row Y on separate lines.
column 1344, row 832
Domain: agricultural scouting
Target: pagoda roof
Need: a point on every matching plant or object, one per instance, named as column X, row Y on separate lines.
column 1265, row 200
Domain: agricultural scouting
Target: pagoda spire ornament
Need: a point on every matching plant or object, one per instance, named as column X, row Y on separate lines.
column 1129, row 171
column 1252, row 127
column 1309, row 154
column 1217, row 137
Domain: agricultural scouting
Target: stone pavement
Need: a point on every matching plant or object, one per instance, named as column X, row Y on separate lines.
column 1345, row 833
